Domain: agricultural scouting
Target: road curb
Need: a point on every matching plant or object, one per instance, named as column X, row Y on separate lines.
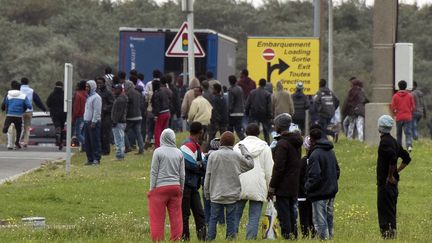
column 15, row 177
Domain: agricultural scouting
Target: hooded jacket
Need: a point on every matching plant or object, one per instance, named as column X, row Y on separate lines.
column 200, row 111
column 354, row 104
column 222, row 182
column 33, row 97
column 247, row 86
column 301, row 104
column 167, row 166
column 189, row 97
column 55, row 103
column 403, row 105
column 322, row 172
column 282, row 101
column 287, row 163
column 93, row 106
column 15, row 103
column 254, row 183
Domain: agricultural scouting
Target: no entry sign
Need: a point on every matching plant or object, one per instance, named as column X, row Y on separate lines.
column 268, row 54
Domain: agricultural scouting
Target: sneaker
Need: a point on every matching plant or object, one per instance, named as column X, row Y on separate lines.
column 96, row 162
column 10, row 148
column 17, row 146
column 410, row 149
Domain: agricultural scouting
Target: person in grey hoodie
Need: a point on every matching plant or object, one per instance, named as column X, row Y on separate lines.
column 222, row 183
column 167, row 179
column 92, row 124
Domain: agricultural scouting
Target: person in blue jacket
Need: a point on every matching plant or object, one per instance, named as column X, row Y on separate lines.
column 15, row 104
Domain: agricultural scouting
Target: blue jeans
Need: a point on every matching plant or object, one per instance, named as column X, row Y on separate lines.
column 322, row 217
column 406, row 126
column 92, row 141
column 119, row 139
column 79, row 125
column 255, row 208
column 133, row 127
column 414, row 125
column 215, row 211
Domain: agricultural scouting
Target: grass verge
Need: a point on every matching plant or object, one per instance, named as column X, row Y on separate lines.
column 108, row 203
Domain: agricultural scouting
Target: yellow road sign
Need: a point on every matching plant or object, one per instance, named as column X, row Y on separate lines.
column 291, row 60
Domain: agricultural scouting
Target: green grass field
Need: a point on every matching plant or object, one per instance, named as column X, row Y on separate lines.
column 108, row 203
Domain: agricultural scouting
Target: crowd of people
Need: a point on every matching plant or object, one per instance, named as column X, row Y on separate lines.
column 137, row 114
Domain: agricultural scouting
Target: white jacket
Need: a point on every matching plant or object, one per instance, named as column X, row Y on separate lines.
column 254, row 183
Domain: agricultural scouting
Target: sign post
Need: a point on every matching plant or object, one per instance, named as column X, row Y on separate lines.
column 68, row 71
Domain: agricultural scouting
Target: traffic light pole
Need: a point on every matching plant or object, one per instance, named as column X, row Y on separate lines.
column 187, row 6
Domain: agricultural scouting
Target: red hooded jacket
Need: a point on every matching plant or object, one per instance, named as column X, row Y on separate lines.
column 403, row 105
column 79, row 104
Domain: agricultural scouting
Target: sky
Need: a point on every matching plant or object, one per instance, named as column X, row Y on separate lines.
column 369, row 2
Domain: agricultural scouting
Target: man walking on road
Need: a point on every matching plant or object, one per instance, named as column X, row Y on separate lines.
column 92, row 124
column 55, row 103
column 32, row 96
column 389, row 151
column 258, row 108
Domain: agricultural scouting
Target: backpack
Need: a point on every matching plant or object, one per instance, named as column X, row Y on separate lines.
column 326, row 105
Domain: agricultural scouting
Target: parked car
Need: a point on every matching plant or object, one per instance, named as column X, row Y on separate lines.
column 42, row 131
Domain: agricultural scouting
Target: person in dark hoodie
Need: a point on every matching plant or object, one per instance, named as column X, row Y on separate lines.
column 107, row 103
column 219, row 118
column 236, row 107
column 160, row 107
column 284, row 181
column 55, row 103
column 118, row 118
column 301, row 105
column 322, row 174
column 389, row 151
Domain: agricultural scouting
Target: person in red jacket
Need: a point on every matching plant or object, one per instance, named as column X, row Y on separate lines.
column 79, row 101
column 403, row 106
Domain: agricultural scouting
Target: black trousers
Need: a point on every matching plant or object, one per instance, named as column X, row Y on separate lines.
column 106, row 131
column 235, row 124
column 192, row 202
column 305, row 215
column 17, row 121
column 213, row 128
column 286, row 209
column 59, row 125
column 387, row 200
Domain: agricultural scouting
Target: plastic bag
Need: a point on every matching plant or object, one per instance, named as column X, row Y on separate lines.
column 270, row 223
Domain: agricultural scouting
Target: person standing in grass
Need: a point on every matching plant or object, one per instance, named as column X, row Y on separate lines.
column 322, row 174
column 255, row 182
column 167, row 179
column 389, row 150
column 92, row 124
column 194, row 169
column 118, row 119
column 222, row 183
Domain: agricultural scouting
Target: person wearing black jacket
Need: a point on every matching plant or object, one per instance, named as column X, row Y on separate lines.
column 107, row 103
column 174, row 104
column 235, row 107
column 305, row 205
column 160, row 107
column 322, row 174
column 284, row 182
column 55, row 103
column 219, row 119
column 389, row 150
column 118, row 118
column 133, row 117
column 259, row 108
column 301, row 105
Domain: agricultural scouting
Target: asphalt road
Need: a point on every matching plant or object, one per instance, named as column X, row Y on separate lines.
column 15, row 162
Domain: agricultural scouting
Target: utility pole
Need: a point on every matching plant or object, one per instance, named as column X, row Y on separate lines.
column 187, row 6
column 330, row 44
column 68, row 71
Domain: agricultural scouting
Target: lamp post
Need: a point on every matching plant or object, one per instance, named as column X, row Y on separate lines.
column 187, row 7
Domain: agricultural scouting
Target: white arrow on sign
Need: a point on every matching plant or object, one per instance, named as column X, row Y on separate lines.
column 179, row 45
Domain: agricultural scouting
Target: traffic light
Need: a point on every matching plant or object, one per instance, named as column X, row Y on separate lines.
column 185, row 42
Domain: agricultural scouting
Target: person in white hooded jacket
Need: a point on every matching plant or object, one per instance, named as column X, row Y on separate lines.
column 254, row 183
